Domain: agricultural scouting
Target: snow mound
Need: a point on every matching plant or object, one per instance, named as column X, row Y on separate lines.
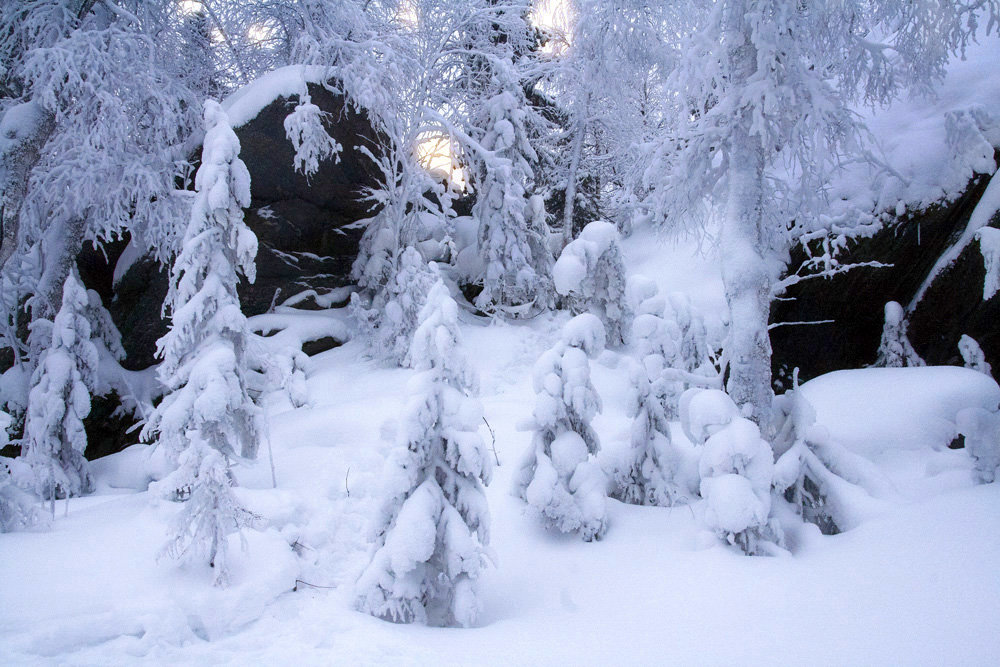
column 243, row 105
column 874, row 410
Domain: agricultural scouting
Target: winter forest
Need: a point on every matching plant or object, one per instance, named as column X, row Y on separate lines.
column 501, row 332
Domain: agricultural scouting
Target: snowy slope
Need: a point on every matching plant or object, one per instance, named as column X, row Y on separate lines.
column 657, row 589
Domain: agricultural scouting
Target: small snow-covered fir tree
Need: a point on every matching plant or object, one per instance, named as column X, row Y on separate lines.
column 558, row 476
column 818, row 478
column 894, row 350
column 207, row 416
column 590, row 275
column 736, row 469
column 646, row 478
column 516, row 278
column 389, row 320
column 433, row 528
column 973, row 356
column 694, row 354
column 59, row 400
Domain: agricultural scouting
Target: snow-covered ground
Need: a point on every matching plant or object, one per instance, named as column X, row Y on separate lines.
column 915, row 583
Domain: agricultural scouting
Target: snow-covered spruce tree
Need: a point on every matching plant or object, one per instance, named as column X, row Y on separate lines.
column 736, row 468
column 517, row 277
column 894, row 350
column 646, row 476
column 432, row 532
column 694, row 353
column 59, row 399
column 973, row 356
column 388, row 321
column 558, row 477
column 762, row 118
column 590, row 276
column 820, row 480
column 207, row 416
column 18, row 508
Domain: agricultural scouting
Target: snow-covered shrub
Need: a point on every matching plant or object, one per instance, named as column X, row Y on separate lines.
column 304, row 128
column 819, row 479
column 694, row 353
column 432, row 531
column 59, row 400
column 558, row 476
column 981, row 429
column 18, row 509
column 389, row 320
column 285, row 370
column 646, row 477
column 200, row 532
column 894, row 350
column 207, row 415
column 590, row 275
column 736, row 469
column 516, row 279
column 973, row 355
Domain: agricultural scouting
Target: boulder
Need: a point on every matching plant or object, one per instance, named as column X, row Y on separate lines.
column 910, row 245
column 302, row 224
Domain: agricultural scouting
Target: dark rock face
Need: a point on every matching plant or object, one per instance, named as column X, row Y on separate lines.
column 855, row 300
column 952, row 306
column 299, row 222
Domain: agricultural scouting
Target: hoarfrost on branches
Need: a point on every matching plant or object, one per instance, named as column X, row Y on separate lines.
column 304, row 128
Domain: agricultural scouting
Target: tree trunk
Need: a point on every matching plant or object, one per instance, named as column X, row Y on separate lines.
column 745, row 273
column 29, row 128
column 60, row 245
column 574, row 168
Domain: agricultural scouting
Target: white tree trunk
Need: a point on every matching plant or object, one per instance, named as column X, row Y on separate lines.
column 745, row 273
column 571, row 176
column 18, row 157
